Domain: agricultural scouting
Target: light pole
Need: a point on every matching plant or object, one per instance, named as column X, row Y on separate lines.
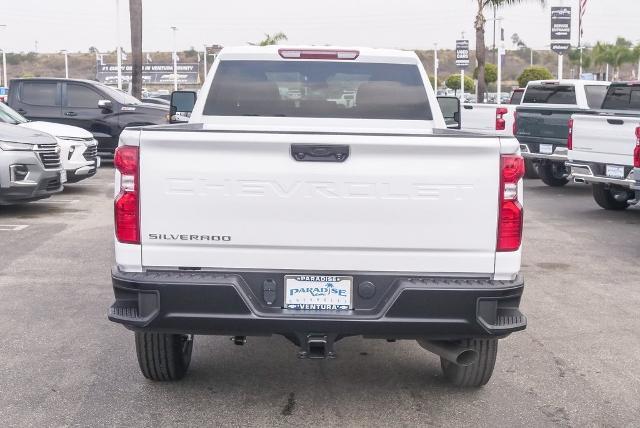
column 118, row 48
column 435, row 67
column 205, row 62
column 66, row 63
column 175, row 60
column 4, row 57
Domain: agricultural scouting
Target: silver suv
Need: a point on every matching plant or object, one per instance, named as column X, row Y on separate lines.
column 30, row 166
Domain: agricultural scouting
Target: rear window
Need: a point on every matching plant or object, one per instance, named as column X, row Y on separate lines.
column 39, row 93
column 595, row 95
column 622, row 98
column 516, row 97
column 319, row 89
column 550, row 94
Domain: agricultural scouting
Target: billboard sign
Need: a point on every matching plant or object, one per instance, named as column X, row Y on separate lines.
column 462, row 53
column 560, row 23
column 152, row 73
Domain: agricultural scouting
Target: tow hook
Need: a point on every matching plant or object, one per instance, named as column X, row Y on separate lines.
column 239, row 340
column 316, row 346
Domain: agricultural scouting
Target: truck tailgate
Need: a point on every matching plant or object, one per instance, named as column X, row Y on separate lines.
column 540, row 125
column 239, row 200
column 604, row 139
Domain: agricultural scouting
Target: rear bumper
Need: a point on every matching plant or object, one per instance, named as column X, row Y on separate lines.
column 586, row 172
column 235, row 304
column 532, row 151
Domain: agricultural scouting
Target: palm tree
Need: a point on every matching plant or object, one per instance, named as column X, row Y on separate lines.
column 480, row 45
column 135, row 21
column 271, row 39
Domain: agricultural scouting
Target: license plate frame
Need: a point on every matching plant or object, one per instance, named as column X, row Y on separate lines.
column 614, row 171
column 546, row 149
column 318, row 292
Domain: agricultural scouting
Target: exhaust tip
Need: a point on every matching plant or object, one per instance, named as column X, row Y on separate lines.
column 467, row 357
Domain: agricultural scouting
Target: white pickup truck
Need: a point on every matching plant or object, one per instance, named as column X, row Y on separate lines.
column 315, row 220
column 604, row 147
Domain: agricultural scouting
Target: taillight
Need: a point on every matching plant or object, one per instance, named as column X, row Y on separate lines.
column 318, row 54
column 570, row 136
column 127, row 203
column 510, row 218
column 636, row 151
column 501, row 124
column 515, row 122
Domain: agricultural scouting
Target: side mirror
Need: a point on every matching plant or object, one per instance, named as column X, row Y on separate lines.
column 182, row 103
column 450, row 107
column 105, row 105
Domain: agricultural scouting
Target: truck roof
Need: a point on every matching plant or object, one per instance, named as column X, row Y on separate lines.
column 574, row 82
column 56, row 79
column 393, row 56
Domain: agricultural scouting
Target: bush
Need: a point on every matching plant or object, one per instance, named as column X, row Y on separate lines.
column 453, row 82
column 490, row 73
column 534, row 73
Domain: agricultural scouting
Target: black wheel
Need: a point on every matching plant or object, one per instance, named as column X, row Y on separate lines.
column 530, row 169
column 611, row 198
column 553, row 174
column 478, row 373
column 163, row 357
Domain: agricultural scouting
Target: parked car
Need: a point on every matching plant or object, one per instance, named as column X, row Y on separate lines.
column 604, row 147
column 78, row 148
column 100, row 109
column 314, row 221
column 542, row 122
column 30, row 166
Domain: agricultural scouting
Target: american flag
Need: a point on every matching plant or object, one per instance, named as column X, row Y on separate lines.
column 583, row 9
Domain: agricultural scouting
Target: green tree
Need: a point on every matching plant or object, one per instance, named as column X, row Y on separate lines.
column 481, row 50
column 534, row 73
column 490, row 73
column 271, row 39
column 453, row 82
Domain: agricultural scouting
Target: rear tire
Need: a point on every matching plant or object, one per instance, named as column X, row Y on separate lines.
column 553, row 174
column 478, row 373
column 163, row 357
column 531, row 169
column 605, row 198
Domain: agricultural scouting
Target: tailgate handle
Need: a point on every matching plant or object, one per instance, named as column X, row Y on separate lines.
column 615, row 122
column 319, row 153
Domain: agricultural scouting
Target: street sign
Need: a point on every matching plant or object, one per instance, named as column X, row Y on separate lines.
column 462, row 53
column 560, row 47
column 560, row 23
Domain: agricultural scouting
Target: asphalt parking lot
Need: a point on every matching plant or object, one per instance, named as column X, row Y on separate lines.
column 63, row 363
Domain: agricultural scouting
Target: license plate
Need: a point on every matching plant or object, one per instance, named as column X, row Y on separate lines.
column 615, row 171
column 318, row 292
column 546, row 149
column 98, row 161
column 63, row 176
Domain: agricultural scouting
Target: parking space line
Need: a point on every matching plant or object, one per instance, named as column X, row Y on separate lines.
column 57, row 201
column 13, row 227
